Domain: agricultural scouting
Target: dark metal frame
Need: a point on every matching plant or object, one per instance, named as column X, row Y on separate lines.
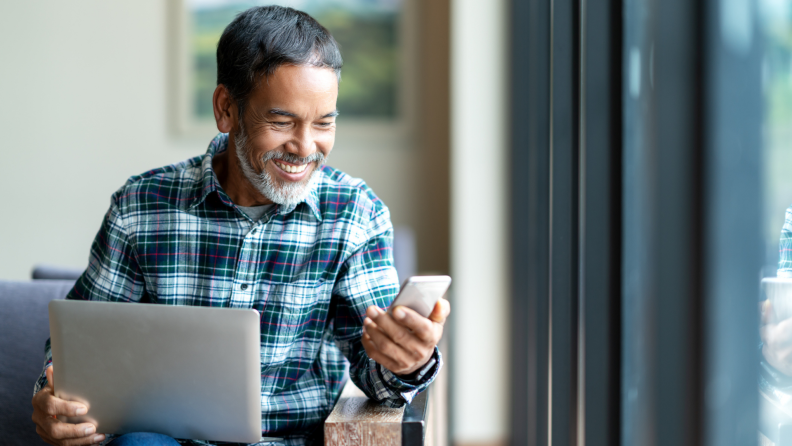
column 601, row 198
column 530, row 185
column 566, row 232
column 564, row 220
column 415, row 419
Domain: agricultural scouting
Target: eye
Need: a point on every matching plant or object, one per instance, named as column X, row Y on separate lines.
column 280, row 123
column 324, row 124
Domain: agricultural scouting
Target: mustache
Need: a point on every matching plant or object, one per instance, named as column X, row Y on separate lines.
column 292, row 158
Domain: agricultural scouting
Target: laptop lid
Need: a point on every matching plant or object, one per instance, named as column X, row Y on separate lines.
column 187, row 372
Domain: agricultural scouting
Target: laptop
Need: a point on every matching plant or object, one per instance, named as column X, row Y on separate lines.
column 186, row 372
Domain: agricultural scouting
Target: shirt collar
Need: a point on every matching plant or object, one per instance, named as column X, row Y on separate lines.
column 312, row 200
column 209, row 182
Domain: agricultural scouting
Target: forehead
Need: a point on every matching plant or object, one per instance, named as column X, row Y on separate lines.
column 297, row 88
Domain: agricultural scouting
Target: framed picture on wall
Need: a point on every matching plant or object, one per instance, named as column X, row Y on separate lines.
column 377, row 90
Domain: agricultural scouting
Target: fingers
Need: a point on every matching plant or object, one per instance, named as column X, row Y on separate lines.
column 65, row 431
column 407, row 330
column 406, row 352
column 50, row 377
column 90, row 440
column 50, row 405
column 403, row 340
column 441, row 311
column 383, row 350
column 374, row 353
column 404, row 324
column 57, row 432
column 767, row 312
column 46, row 407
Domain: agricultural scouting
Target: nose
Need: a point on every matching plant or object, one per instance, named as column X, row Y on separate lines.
column 303, row 143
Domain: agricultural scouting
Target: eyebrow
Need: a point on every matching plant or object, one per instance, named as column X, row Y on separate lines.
column 281, row 112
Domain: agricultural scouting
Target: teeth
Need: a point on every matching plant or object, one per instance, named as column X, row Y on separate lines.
column 291, row 169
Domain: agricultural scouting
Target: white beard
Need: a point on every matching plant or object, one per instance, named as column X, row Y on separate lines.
column 287, row 194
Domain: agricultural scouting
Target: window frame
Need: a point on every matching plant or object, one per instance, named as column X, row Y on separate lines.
column 629, row 308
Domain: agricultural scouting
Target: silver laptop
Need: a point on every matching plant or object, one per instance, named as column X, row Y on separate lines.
column 187, row 372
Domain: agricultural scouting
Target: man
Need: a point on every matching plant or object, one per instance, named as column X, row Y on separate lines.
column 259, row 222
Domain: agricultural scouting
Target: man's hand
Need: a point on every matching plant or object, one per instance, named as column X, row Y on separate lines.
column 46, row 406
column 404, row 341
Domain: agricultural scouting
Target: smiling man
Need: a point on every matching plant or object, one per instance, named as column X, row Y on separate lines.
column 261, row 222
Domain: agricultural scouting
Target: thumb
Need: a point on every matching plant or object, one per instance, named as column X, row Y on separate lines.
column 768, row 312
column 50, row 381
column 440, row 312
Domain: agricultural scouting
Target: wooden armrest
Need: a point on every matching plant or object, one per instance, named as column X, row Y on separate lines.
column 357, row 420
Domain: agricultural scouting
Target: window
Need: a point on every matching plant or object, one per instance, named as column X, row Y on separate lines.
column 656, row 137
column 775, row 36
column 566, row 222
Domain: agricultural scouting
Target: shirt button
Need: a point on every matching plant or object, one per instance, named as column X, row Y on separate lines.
column 243, row 287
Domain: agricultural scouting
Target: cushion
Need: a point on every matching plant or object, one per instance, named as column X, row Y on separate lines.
column 24, row 329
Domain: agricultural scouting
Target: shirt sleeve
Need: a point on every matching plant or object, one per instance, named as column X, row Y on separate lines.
column 368, row 277
column 785, row 247
column 113, row 274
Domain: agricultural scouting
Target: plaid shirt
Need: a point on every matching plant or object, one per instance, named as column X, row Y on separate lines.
column 172, row 236
column 785, row 247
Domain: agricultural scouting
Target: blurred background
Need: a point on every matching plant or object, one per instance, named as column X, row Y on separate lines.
column 605, row 180
column 94, row 92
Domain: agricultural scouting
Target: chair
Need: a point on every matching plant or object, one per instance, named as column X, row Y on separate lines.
column 24, row 329
column 55, row 272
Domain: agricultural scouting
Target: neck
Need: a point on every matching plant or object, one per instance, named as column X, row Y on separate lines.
column 233, row 181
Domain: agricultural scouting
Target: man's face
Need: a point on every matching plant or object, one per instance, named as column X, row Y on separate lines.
column 287, row 130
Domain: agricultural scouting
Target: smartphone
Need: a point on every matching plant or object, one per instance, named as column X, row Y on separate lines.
column 779, row 292
column 421, row 293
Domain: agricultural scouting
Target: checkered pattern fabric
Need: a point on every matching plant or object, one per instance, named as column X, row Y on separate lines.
column 785, row 247
column 172, row 236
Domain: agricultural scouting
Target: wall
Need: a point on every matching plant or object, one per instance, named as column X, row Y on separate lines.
column 479, row 194
column 84, row 91
column 83, row 86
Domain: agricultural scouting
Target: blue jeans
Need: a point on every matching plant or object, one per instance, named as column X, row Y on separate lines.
column 143, row 439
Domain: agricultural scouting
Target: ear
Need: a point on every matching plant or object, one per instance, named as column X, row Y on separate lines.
column 225, row 110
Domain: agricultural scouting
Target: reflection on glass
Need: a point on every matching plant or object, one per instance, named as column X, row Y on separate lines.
column 776, row 310
column 366, row 30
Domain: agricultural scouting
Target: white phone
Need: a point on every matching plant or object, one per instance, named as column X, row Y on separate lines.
column 421, row 293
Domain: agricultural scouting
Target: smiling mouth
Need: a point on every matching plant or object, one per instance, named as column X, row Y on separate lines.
column 291, row 169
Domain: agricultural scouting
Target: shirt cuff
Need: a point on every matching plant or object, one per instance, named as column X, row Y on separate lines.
column 41, row 382
column 409, row 387
column 414, row 378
